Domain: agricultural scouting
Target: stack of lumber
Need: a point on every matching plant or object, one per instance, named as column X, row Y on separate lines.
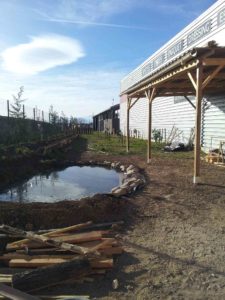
column 212, row 157
column 73, row 254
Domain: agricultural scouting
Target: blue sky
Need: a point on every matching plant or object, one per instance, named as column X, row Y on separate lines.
column 72, row 54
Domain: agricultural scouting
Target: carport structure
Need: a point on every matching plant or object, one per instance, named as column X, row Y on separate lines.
column 199, row 72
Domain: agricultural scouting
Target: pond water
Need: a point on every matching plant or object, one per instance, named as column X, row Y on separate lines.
column 72, row 183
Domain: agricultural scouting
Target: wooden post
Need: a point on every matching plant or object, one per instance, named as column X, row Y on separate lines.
column 150, row 96
column 149, row 151
column 34, row 113
column 128, row 125
column 197, row 150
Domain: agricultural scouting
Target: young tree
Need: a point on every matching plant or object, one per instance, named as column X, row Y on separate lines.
column 53, row 115
column 16, row 110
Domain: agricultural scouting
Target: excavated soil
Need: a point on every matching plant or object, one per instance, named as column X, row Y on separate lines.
column 174, row 232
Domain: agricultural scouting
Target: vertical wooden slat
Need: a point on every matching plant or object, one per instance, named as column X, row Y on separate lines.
column 197, row 150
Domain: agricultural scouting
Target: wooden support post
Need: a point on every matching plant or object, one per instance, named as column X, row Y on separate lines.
column 128, row 125
column 150, row 95
column 149, row 151
column 197, row 150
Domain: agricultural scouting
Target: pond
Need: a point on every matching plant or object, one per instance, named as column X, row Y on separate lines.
column 71, row 183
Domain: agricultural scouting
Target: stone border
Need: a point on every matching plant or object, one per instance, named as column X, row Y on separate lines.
column 133, row 179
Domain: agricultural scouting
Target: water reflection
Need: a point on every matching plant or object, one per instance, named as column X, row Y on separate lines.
column 72, row 183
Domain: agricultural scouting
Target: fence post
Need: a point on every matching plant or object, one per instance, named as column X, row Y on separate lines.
column 34, row 113
column 8, row 108
column 43, row 118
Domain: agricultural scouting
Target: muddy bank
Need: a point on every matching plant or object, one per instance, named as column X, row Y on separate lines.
column 33, row 216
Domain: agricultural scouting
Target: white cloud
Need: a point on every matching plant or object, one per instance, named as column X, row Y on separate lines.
column 41, row 53
column 76, row 93
column 88, row 12
column 91, row 10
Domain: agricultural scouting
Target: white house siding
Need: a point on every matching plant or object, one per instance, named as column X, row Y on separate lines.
column 213, row 122
column 166, row 113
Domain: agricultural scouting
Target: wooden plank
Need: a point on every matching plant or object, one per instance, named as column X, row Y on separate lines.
column 53, row 233
column 214, row 61
column 35, row 263
column 49, row 241
column 43, row 262
column 56, row 251
column 12, row 293
column 9, row 256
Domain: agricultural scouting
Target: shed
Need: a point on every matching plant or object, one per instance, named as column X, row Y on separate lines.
column 108, row 120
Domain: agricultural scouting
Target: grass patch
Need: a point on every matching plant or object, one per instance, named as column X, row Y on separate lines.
column 116, row 145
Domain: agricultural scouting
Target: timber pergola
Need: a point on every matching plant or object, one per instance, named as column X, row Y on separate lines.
column 199, row 72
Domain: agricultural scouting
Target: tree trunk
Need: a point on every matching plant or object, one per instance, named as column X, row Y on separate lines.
column 51, row 275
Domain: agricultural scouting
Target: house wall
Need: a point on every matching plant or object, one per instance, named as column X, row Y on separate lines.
column 167, row 113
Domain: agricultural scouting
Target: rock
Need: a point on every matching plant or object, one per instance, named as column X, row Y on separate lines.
column 122, row 168
column 120, row 192
column 130, row 180
column 115, row 284
column 113, row 165
column 114, row 189
column 130, row 172
column 130, row 167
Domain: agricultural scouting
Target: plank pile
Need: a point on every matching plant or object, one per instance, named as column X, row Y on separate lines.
column 73, row 254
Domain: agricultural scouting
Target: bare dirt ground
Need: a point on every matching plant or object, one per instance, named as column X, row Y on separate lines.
column 174, row 235
column 175, row 240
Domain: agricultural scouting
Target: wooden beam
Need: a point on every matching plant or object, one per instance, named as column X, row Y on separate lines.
column 135, row 101
column 197, row 150
column 164, row 78
column 214, row 61
column 174, row 73
column 186, row 97
column 151, row 94
column 211, row 76
column 192, row 80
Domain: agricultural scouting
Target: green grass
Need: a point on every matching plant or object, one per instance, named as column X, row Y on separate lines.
column 116, row 145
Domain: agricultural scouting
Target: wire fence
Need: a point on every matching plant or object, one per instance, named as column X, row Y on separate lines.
column 26, row 112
